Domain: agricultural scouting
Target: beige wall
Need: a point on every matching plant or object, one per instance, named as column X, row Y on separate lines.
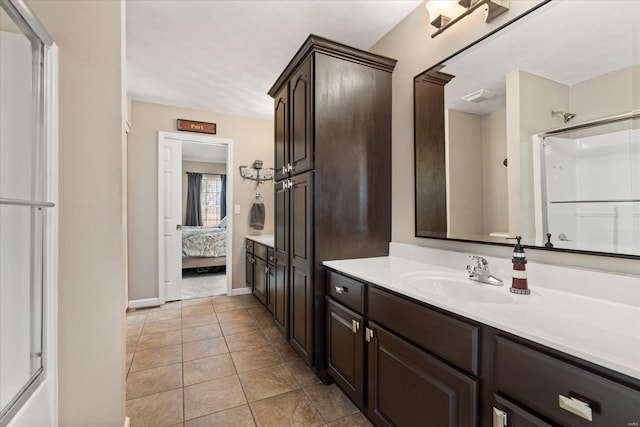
column 410, row 43
column 90, row 279
column 606, row 95
column 465, row 194
column 200, row 167
column 494, row 151
column 253, row 139
column 530, row 100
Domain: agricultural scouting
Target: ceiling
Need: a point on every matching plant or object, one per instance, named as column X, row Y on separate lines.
column 223, row 56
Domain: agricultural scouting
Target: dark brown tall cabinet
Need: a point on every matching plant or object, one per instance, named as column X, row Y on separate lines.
column 332, row 106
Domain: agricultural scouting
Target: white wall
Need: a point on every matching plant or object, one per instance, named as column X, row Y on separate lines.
column 253, row 139
column 91, row 338
column 410, row 43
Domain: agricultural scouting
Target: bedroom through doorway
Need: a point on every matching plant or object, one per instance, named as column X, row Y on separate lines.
column 194, row 236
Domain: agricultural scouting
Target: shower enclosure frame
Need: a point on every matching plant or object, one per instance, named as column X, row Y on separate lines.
column 539, row 158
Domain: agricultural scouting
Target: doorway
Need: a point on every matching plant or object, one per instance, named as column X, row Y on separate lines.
column 179, row 246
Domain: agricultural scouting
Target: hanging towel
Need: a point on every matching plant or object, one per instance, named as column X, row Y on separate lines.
column 256, row 220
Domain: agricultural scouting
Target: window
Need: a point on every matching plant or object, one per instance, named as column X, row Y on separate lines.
column 210, row 198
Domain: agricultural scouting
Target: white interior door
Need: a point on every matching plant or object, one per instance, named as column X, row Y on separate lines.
column 170, row 219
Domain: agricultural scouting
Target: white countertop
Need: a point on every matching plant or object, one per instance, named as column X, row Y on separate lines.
column 265, row 239
column 603, row 332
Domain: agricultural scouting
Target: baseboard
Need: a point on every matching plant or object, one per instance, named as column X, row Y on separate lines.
column 142, row 303
column 127, row 422
column 240, row 291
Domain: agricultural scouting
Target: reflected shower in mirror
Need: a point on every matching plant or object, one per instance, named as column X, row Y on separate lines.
column 494, row 120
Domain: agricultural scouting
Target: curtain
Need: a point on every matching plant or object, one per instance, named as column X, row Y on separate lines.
column 223, row 196
column 194, row 215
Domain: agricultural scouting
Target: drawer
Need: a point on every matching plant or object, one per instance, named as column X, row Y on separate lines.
column 271, row 255
column 347, row 291
column 542, row 382
column 517, row 416
column 249, row 246
column 454, row 340
column 260, row 251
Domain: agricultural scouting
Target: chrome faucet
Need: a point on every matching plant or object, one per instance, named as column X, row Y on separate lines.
column 480, row 271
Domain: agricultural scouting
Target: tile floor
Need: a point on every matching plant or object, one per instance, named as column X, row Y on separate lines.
column 219, row 361
column 208, row 284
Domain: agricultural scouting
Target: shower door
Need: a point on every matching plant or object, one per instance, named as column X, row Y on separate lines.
column 592, row 188
column 24, row 209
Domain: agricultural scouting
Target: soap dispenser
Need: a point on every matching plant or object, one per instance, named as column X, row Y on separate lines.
column 519, row 283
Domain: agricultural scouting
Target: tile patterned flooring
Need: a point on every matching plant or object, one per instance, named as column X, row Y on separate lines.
column 220, row 361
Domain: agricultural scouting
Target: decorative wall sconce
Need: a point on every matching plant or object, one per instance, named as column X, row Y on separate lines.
column 256, row 172
column 439, row 8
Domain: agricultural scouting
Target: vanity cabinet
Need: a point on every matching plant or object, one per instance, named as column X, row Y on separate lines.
column 561, row 391
column 257, row 270
column 345, row 334
column 329, row 203
column 411, row 362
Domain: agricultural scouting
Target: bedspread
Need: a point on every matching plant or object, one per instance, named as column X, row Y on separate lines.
column 204, row 241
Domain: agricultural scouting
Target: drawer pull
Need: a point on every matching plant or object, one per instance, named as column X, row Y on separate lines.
column 342, row 289
column 499, row 418
column 355, row 325
column 368, row 335
column 575, row 406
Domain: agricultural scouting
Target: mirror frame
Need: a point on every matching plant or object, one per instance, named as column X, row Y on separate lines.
column 431, row 149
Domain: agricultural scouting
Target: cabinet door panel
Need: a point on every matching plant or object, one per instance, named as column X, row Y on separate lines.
column 409, row 387
column 280, row 284
column 281, row 130
column 300, row 105
column 260, row 280
column 345, row 355
column 281, row 235
column 271, row 287
column 248, row 275
column 301, row 278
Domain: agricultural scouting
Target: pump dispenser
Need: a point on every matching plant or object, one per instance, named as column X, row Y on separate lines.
column 519, row 283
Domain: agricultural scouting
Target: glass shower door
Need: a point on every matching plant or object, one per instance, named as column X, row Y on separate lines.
column 23, row 209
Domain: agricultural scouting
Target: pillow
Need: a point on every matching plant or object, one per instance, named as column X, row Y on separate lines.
column 223, row 223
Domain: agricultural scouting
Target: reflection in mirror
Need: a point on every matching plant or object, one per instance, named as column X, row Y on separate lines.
column 492, row 133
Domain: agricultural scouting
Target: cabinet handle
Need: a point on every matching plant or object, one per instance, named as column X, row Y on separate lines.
column 499, row 418
column 284, row 184
column 368, row 335
column 289, row 167
column 271, row 258
column 355, row 325
column 576, row 407
column 284, row 169
column 266, row 270
column 342, row 289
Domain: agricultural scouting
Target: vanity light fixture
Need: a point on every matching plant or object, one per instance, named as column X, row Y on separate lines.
column 437, row 8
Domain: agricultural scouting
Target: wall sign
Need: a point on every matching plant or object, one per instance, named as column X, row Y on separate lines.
column 201, row 127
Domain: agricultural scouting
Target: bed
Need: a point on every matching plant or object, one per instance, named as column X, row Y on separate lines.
column 204, row 247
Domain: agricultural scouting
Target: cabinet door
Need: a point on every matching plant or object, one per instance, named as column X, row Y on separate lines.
column 281, row 130
column 407, row 386
column 271, row 286
column 301, row 271
column 248, row 275
column 279, row 284
column 260, row 280
column 281, row 253
column 300, row 109
column 345, row 349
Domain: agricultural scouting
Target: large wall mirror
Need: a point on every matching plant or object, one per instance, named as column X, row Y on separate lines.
column 534, row 131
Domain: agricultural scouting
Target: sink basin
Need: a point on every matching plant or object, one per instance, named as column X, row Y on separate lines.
column 449, row 286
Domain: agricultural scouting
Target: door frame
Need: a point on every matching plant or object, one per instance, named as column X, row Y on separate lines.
column 207, row 140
